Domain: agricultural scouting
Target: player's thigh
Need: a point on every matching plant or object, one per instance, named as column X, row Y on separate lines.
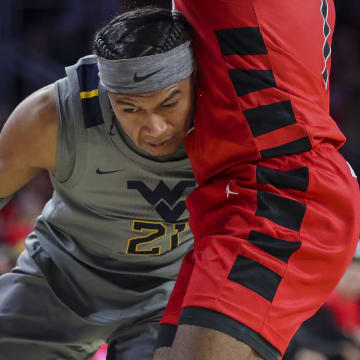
column 274, row 243
column 199, row 343
column 136, row 342
column 162, row 353
column 35, row 325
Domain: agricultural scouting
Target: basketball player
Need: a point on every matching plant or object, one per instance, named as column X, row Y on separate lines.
column 102, row 260
column 276, row 215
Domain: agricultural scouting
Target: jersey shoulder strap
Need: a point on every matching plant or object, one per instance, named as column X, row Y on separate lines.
column 78, row 107
column 84, row 76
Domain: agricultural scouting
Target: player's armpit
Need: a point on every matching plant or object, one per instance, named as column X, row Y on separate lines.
column 28, row 141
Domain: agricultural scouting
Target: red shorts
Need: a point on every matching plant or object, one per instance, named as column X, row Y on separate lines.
column 272, row 240
column 261, row 84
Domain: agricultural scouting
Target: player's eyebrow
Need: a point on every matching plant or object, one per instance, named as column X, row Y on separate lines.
column 171, row 95
column 128, row 103
column 123, row 102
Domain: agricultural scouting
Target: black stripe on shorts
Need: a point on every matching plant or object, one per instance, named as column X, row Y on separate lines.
column 267, row 118
column 280, row 210
column 247, row 81
column 255, row 276
column 241, row 41
column 281, row 249
column 297, row 179
column 166, row 335
column 211, row 319
column 294, row 147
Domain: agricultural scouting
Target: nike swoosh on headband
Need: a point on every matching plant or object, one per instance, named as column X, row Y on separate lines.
column 142, row 78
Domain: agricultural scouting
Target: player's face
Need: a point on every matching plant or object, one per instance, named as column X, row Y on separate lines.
column 158, row 121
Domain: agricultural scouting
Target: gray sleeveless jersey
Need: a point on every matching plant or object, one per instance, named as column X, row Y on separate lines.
column 115, row 229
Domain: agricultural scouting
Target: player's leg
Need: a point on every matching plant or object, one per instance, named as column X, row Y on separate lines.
column 281, row 237
column 199, row 343
column 35, row 325
column 172, row 312
column 266, row 258
column 145, row 335
column 162, row 353
column 186, row 341
column 141, row 340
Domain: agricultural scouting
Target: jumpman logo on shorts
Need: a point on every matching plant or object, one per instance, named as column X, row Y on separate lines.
column 228, row 192
column 352, row 171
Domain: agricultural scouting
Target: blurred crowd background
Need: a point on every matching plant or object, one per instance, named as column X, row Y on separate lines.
column 40, row 37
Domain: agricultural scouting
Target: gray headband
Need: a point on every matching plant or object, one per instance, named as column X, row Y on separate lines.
column 147, row 73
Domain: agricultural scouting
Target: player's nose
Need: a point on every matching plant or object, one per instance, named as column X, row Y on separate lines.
column 156, row 125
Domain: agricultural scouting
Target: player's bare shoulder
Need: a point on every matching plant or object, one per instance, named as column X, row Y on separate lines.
column 28, row 139
column 31, row 130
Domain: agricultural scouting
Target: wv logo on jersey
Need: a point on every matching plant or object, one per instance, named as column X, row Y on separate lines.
column 165, row 201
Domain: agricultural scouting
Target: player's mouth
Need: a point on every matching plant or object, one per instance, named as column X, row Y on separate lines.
column 158, row 144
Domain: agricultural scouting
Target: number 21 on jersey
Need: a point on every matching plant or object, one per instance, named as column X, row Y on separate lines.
column 152, row 231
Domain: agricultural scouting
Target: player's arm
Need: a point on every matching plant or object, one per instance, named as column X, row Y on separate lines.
column 28, row 141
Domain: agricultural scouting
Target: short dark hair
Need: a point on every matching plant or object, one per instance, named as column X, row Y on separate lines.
column 141, row 32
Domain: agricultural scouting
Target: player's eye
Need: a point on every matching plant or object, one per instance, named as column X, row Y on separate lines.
column 170, row 105
column 131, row 110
